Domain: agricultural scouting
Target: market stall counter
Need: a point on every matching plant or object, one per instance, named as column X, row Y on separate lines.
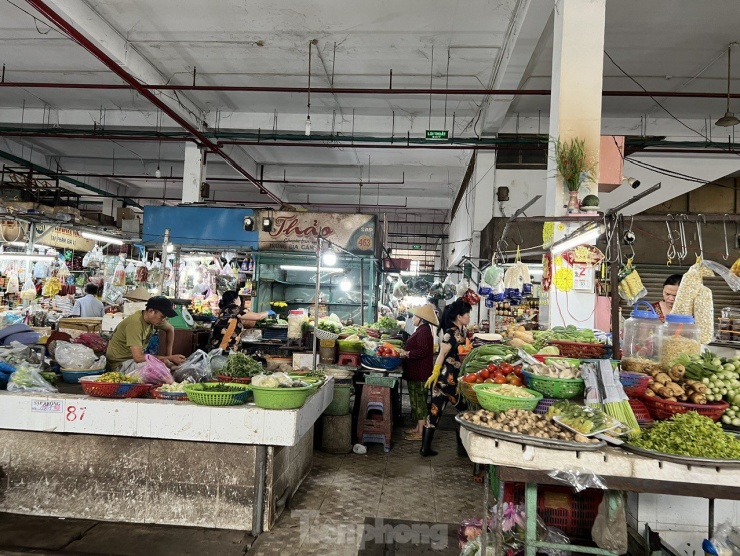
column 152, row 461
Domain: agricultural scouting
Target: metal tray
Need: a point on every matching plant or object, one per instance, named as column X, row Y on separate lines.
column 684, row 460
column 530, row 440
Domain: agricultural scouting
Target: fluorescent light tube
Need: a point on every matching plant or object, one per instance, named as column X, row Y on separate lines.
column 310, row 268
column 25, row 257
column 106, row 239
column 24, row 244
column 587, row 237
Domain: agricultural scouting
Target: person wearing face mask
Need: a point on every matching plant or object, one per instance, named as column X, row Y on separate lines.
column 443, row 381
column 670, row 289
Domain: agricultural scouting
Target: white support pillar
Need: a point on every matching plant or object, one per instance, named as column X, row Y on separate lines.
column 481, row 196
column 575, row 111
column 193, row 174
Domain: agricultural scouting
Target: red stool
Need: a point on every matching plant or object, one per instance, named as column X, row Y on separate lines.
column 376, row 426
column 349, row 359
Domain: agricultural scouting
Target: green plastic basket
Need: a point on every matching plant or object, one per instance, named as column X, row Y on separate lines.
column 490, row 400
column 313, row 382
column 551, row 387
column 281, row 398
column 238, row 395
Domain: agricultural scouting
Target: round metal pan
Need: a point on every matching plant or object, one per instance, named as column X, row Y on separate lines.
column 530, row 440
column 684, row 460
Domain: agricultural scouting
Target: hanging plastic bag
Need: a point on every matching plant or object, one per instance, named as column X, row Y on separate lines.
column 14, row 286
column 399, row 289
column 526, row 280
column 704, row 314
column 493, row 275
column 471, row 297
column 63, row 272
column 630, row 284
column 578, row 479
column 610, row 526
column 196, row 368
column 28, row 380
column 462, row 287
column 119, row 275
column 733, row 281
column 28, row 293
column 142, row 273
column 448, row 288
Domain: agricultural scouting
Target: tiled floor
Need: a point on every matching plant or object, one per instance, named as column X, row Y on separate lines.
column 329, row 511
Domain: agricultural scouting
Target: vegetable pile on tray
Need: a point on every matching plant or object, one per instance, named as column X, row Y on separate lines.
column 518, row 421
column 330, row 325
column 239, row 365
column 690, row 434
column 557, row 368
column 584, row 420
column 479, row 358
column 675, row 386
column 386, row 323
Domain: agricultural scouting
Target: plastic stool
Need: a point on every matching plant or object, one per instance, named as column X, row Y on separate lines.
column 349, row 359
column 378, row 427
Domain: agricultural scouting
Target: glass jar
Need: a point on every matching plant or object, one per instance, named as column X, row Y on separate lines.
column 295, row 324
column 641, row 346
column 678, row 336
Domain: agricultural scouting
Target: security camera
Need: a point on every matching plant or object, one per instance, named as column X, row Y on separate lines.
column 248, row 224
column 633, row 182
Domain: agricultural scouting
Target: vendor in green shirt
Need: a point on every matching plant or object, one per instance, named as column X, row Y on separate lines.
column 132, row 335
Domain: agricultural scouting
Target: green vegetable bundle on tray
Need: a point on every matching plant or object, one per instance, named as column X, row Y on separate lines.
column 240, row 365
column 479, row 358
column 690, row 434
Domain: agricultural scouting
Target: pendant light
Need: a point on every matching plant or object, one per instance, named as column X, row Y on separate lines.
column 729, row 119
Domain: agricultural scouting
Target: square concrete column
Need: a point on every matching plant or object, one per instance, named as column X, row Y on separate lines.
column 193, row 173
column 575, row 111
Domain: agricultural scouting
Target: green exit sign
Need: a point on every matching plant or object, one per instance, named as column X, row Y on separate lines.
column 416, row 246
column 436, row 134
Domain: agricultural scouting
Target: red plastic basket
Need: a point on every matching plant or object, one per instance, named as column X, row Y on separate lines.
column 578, row 350
column 233, row 379
column 634, row 384
column 573, row 513
column 641, row 412
column 115, row 389
column 663, row 409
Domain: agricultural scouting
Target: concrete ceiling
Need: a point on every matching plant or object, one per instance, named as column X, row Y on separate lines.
column 667, row 45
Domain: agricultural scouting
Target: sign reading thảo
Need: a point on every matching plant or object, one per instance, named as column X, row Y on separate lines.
column 299, row 231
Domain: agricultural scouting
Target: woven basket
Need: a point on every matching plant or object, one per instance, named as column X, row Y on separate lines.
column 634, row 384
column 663, row 409
column 490, row 400
column 578, row 350
column 198, row 395
column 324, row 334
column 115, row 389
column 466, row 389
column 641, row 412
column 560, row 388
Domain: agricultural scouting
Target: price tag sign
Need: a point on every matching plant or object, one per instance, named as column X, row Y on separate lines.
column 74, row 412
column 46, row 406
column 583, row 277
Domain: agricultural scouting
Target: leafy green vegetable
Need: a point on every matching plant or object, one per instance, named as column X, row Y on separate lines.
column 241, row 366
column 386, row 323
column 329, row 326
column 690, row 434
column 565, row 334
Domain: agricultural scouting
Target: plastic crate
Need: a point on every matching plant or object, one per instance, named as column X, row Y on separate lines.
column 578, row 350
column 634, row 384
column 379, row 379
column 275, row 333
column 543, row 405
column 663, row 409
column 573, row 513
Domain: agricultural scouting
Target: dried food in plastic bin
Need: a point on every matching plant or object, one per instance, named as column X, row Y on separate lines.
column 74, row 356
column 28, row 380
column 610, row 527
column 578, row 478
column 196, row 368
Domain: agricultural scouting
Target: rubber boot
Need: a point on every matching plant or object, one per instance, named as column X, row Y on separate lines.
column 426, row 442
column 461, row 451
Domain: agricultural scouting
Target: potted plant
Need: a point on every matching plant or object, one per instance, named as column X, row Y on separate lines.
column 590, row 203
column 574, row 167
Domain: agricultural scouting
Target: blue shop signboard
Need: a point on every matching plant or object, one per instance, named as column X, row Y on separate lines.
column 199, row 226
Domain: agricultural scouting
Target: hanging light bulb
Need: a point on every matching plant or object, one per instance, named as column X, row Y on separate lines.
column 308, row 125
column 157, row 173
column 329, row 258
column 345, row 285
column 170, row 247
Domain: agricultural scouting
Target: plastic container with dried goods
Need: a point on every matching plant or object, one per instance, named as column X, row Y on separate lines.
column 679, row 335
column 641, row 346
column 295, row 324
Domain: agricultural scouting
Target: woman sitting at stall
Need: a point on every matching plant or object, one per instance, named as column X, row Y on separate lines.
column 418, row 363
column 670, row 289
column 443, row 381
column 232, row 319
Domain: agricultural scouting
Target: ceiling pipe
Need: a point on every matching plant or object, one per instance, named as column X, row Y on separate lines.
column 88, row 45
column 347, row 90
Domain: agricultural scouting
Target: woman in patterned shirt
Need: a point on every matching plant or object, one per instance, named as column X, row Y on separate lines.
column 443, row 381
column 231, row 321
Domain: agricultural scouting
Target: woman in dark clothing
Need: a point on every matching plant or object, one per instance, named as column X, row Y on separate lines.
column 443, row 381
column 417, row 365
column 231, row 321
column 670, row 289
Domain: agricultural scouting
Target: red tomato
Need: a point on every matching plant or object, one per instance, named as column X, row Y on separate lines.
column 499, row 372
column 470, row 377
column 489, row 381
column 506, row 367
column 479, row 380
column 484, row 373
column 500, row 379
column 515, row 381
